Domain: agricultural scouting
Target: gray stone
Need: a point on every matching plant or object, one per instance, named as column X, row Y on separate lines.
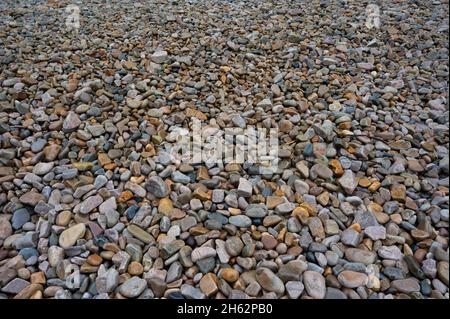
column 157, row 187
column 133, row 287
column 256, row 211
column 348, row 181
column 375, row 232
column 351, row 237
column 241, row 221
column 245, row 188
column 294, row 289
column 314, row 284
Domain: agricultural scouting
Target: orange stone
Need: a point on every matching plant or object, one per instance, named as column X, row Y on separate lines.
column 398, row 192
column 202, row 173
column 38, row 278
column 208, row 284
column 356, row 227
column 410, row 203
column 124, row 196
column 103, row 159
column 232, row 167
column 279, row 192
column 198, row 230
column 234, row 211
column 177, row 213
column 282, row 234
column 165, row 206
column 310, row 208
column 364, row 182
column 135, row 268
column 230, row 275
column 374, row 207
column 374, row 186
column 301, row 214
column 273, row 201
column 203, row 196
column 336, row 167
column 396, row 218
column 95, row 260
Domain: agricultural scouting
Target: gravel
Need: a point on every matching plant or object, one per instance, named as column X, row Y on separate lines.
column 92, row 192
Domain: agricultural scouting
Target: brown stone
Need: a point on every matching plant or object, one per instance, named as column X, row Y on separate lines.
column 29, row 291
column 208, row 284
column 124, row 196
column 230, row 275
column 269, row 241
column 398, row 192
column 95, row 260
column 336, row 167
column 135, row 268
column 273, row 201
column 165, row 206
column 38, row 278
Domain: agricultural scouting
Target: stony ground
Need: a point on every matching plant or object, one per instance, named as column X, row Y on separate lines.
column 92, row 208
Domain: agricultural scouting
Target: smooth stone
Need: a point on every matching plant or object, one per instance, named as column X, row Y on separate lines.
column 314, row 284
column 269, row 281
column 133, row 287
column 69, row 237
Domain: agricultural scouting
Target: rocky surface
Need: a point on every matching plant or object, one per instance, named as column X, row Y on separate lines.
column 93, row 207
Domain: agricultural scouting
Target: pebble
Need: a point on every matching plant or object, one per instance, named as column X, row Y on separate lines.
column 240, row 221
column 133, row 287
column 314, row 284
column 69, row 237
column 269, row 281
column 352, row 279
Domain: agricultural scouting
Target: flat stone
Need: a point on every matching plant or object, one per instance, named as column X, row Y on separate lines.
column 140, row 234
column 133, row 287
column 20, row 217
column 157, row 187
column 208, row 284
column 55, row 255
column 202, row 252
column 294, row 289
column 375, row 232
column 390, row 252
column 43, row 168
column 90, row 204
column 407, row 286
column 15, row 286
column 191, row 292
column 351, row 237
column 69, row 237
column 256, row 211
column 245, row 188
column 352, row 279
column 108, row 281
column 348, row 181
column 269, row 281
column 360, row 256
column 234, row 246
column 240, row 221
column 314, row 284
column 442, row 269
column 5, row 228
